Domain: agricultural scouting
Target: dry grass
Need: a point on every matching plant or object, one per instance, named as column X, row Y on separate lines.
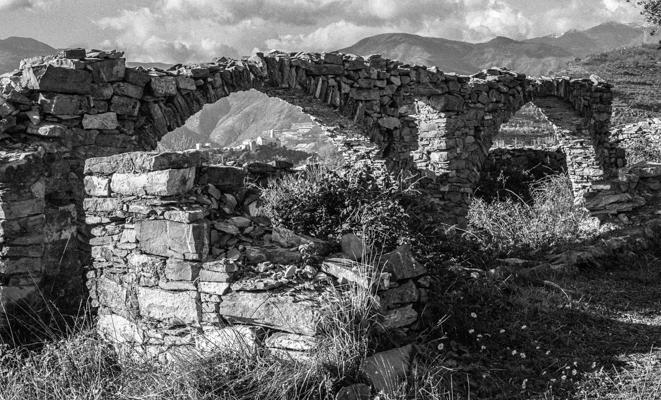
column 512, row 227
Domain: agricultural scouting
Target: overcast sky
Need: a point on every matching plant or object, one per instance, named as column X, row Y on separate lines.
column 198, row 30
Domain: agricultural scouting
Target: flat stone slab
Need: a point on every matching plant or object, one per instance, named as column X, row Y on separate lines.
column 173, row 307
column 169, row 238
column 138, row 162
column 168, row 182
column 277, row 311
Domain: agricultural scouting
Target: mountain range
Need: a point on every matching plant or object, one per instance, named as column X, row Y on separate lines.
column 14, row 49
column 536, row 56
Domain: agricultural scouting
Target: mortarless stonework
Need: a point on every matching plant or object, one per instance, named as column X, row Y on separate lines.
column 57, row 112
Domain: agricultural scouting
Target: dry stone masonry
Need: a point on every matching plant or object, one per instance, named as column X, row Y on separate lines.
column 182, row 261
column 58, row 111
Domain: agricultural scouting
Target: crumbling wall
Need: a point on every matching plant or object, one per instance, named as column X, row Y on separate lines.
column 183, row 261
column 60, row 111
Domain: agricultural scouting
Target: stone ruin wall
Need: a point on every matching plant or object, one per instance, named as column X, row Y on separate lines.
column 57, row 112
column 182, row 261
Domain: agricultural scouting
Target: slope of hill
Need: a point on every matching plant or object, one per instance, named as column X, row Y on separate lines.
column 446, row 54
column 238, row 117
column 14, row 49
column 533, row 56
column 636, row 77
column 604, row 37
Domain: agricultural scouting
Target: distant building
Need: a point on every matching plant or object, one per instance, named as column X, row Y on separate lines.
column 303, row 127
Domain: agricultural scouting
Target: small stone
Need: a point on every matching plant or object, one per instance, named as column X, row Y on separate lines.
column 226, row 227
column 240, row 222
column 100, row 121
column 218, row 288
column 388, row 370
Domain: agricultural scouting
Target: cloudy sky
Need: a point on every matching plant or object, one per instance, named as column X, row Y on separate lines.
column 198, row 30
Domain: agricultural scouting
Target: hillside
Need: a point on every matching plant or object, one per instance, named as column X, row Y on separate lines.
column 534, row 56
column 636, row 77
column 14, row 49
column 236, row 118
column 604, row 37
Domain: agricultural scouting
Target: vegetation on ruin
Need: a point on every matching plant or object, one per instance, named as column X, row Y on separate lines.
column 326, row 203
column 512, row 226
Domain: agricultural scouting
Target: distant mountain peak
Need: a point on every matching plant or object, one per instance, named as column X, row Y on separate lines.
column 541, row 55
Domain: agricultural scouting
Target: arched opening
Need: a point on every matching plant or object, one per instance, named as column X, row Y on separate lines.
column 525, row 150
column 250, row 126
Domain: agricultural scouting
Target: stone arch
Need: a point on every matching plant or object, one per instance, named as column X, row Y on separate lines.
column 58, row 111
column 457, row 127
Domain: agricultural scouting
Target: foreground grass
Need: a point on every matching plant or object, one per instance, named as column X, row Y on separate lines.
column 595, row 334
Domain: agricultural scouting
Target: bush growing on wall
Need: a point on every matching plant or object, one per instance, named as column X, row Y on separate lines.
column 326, row 203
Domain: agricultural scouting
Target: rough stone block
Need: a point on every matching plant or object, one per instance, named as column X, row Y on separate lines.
column 102, row 91
column 213, row 276
column 128, row 90
column 101, row 205
column 388, row 370
column 168, row 238
column 110, row 294
column 47, row 130
column 137, row 76
column 401, row 264
column 19, row 209
column 190, row 239
column 152, row 236
column 186, row 83
column 400, row 317
column 108, row 70
column 185, row 216
column 164, row 86
column 403, row 294
column 123, row 105
column 179, row 270
column 48, row 78
column 175, row 308
column 118, row 329
column 100, row 121
column 158, row 183
column 284, row 313
column 63, row 104
column 217, row 288
column 21, row 226
column 31, row 266
column 97, row 186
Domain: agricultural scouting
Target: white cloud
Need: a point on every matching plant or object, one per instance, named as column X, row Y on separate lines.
column 22, row 4
column 197, row 30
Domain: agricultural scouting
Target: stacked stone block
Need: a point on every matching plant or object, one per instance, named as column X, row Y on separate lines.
column 181, row 261
column 82, row 104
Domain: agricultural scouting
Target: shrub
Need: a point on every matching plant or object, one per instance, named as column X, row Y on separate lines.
column 327, row 203
column 512, row 227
